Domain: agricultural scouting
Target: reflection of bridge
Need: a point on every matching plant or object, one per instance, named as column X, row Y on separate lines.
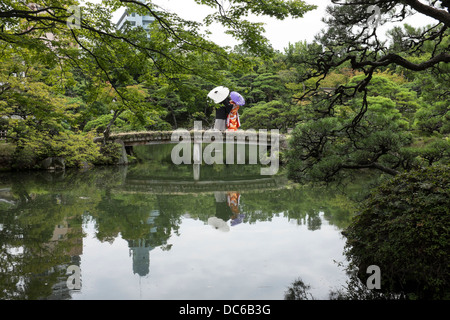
column 186, row 187
column 262, row 139
column 161, row 137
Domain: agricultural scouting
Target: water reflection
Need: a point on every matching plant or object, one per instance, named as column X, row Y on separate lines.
column 48, row 221
column 227, row 208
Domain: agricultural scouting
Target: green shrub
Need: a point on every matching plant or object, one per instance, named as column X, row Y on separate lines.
column 24, row 158
column 403, row 227
column 78, row 150
column 110, row 153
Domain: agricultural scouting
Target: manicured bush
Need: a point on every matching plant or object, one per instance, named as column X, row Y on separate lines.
column 403, row 227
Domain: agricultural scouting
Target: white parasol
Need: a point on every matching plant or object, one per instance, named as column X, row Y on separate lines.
column 218, row 224
column 218, row 94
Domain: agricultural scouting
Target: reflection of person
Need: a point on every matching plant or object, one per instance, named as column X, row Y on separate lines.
column 233, row 200
column 222, row 114
column 233, row 122
column 238, row 219
column 223, row 210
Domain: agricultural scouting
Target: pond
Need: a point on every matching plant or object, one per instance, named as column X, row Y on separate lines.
column 155, row 230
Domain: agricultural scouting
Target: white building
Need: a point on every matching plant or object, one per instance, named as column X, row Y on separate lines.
column 134, row 20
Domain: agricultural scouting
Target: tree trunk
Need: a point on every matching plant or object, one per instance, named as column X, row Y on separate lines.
column 107, row 131
column 174, row 118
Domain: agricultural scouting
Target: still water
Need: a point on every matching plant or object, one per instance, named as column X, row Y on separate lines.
column 153, row 230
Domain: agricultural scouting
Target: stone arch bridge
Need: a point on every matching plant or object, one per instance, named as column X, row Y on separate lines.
column 203, row 136
column 249, row 137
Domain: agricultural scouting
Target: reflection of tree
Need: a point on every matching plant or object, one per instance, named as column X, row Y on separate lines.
column 140, row 219
column 356, row 290
column 313, row 222
column 298, row 291
column 301, row 204
column 145, row 220
column 199, row 206
column 353, row 290
column 41, row 234
column 33, row 259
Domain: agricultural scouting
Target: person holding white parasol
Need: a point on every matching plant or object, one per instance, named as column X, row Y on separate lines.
column 219, row 95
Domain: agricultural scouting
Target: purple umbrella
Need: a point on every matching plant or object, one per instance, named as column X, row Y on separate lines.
column 237, row 98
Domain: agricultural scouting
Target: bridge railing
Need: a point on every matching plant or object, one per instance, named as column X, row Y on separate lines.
column 150, row 137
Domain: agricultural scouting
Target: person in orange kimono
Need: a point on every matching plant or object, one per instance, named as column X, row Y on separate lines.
column 233, row 199
column 233, row 122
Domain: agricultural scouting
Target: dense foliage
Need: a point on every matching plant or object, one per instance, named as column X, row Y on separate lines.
column 403, row 228
column 348, row 99
column 60, row 84
column 391, row 136
column 57, row 92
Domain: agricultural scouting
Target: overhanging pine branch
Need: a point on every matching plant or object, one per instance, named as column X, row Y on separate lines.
column 438, row 14
column 394, row 58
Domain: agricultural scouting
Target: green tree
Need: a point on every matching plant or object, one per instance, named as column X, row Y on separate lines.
column 350, row 41
column 270, row 115
column 403, row 228
column 322, row 149
column 124, row 59
column 41, row 119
